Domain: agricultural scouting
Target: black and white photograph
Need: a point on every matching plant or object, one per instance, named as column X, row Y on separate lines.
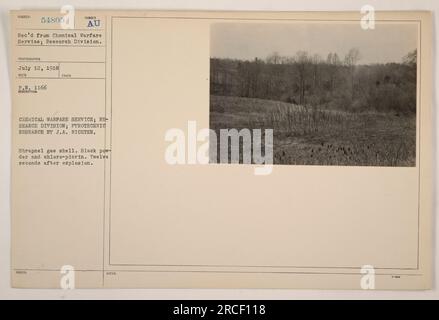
column 332, row 92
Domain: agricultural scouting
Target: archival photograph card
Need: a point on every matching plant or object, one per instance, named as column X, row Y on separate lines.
column 164, row 149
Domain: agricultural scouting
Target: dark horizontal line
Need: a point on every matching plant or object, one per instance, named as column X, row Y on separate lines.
column 47, row 78
column 263, row 19
column 205, row 271
column 56, row 270
column 57, row 45
column 246, row 266
column 47, row 29
column 37, row 61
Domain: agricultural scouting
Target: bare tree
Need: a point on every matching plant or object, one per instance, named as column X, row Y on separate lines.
column 410, row 58
column 316, row 61
column 333, row 62
column 301, row 62
column 351, row 60
column 274, row 58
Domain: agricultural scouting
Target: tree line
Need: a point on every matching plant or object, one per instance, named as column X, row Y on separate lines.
column 309, row 80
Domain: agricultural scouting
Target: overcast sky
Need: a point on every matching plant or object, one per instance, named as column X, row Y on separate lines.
column 389, row 42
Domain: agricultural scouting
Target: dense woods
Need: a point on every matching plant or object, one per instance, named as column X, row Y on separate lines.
column 334, row 82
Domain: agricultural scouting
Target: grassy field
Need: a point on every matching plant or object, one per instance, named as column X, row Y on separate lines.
column 311, row 136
